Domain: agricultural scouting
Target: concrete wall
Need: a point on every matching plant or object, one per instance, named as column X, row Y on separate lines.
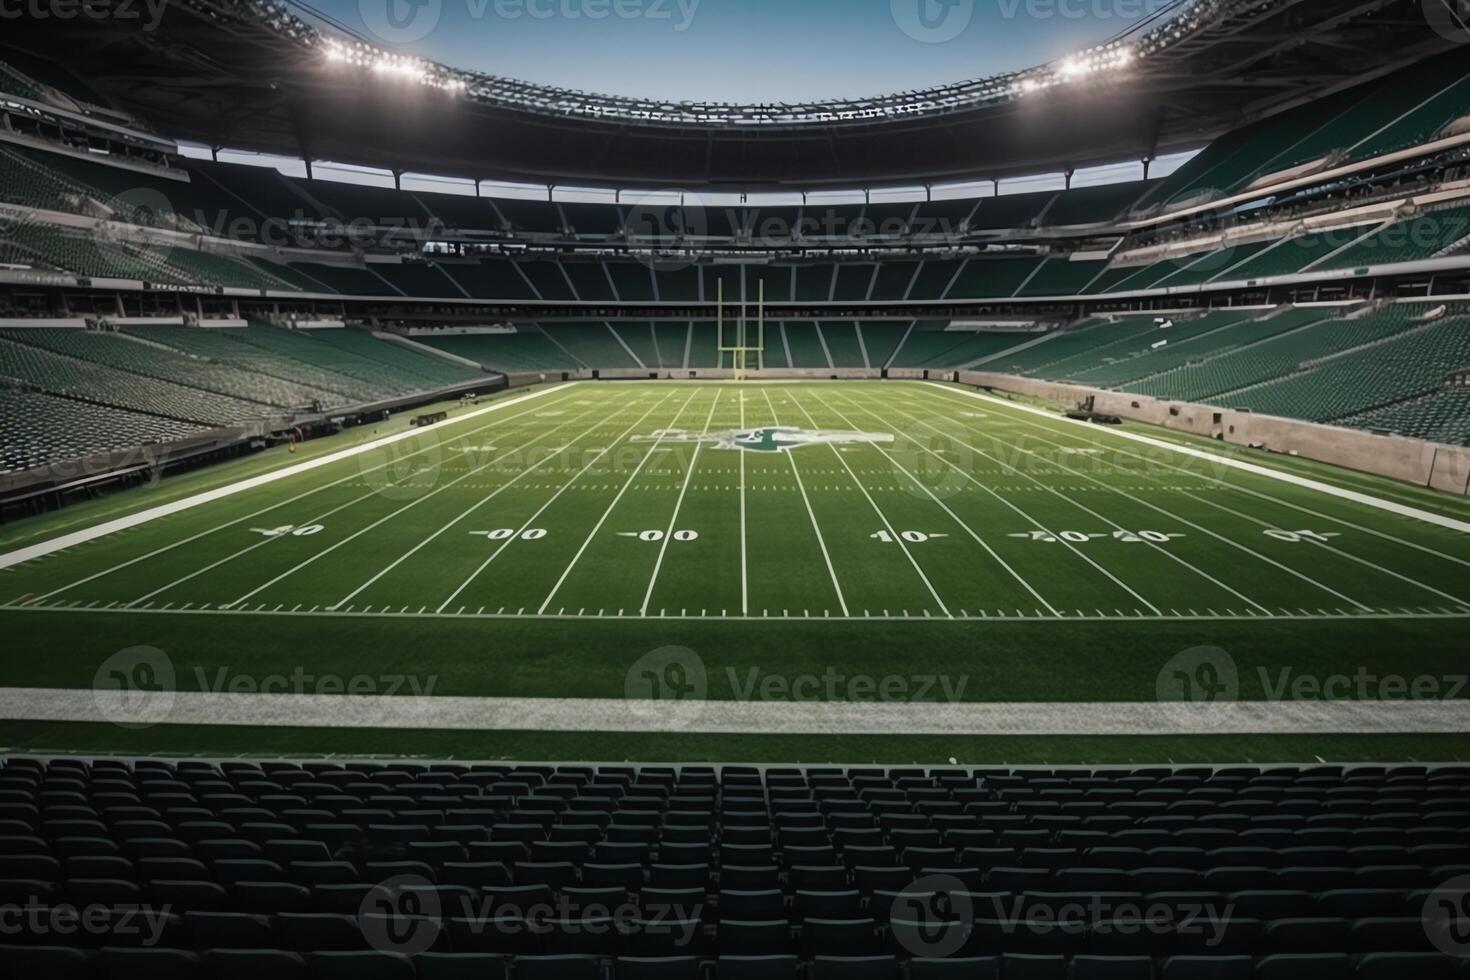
column 1426, row 464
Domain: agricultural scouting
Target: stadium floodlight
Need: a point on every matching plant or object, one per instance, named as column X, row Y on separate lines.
column 1177, row 21
column 360, row 55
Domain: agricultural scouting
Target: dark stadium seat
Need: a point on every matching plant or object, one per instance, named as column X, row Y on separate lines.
column 460, row 966
column 1026, row 966
column 1112, row 968
column 1397, row 966
column 657, row 968
column 153, row 964
column 855, row 968
column 768, row 938
column 955, row 968
column 570, row 967
column 785, row 967
column 52, row 962
column 359, row 965
column 1207, row 968
column 1327, row 966
column 252, row 964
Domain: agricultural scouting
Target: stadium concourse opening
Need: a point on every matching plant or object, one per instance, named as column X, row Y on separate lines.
column 454, row 526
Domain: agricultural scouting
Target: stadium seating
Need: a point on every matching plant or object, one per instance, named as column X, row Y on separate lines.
column 842, row 341
column 803, row 344
column 523, row 350
column 66, row 393
column 125, row 353
column 345, row 869
column 1421, row 236
column 233, row 346
column 388, row 365
column 1402, row 363
column 1443, row 416
column 23, row 360
column 44, row 246
column 1279, row 353
column 595, row 344
column 1381, row 116
column 1207, row 340
column 930, row 344
column 41, row 428
column 673, row 342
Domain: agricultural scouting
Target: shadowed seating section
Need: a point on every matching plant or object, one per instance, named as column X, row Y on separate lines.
column 422, row 870
column 69, row 393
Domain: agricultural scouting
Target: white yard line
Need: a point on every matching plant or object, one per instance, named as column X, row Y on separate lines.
column 426, row 541
column 1403, row 510
column 938, row 717
column 617, row 440
column 1108, row 521
column 164, row 510
column 663, row 546
column 592, row 534
column 266, row 541
column 946, row 508
column 1114, row 489
column 816, row 529
column 897, row 538
column 1384, row 614
column 429, row 496
column 1023, row 514
column 1326, row 547
column 1280, row 503
column 744, row 563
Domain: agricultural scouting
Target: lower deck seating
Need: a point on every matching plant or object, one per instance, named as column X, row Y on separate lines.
column 86, row 380
column 41, row 429
column 408, row 870
column 592, row 343
column 526, row 349
column 1443, row 416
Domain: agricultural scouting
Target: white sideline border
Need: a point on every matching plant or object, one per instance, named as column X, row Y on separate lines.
column 75, row 538
column 1403, row 510
column 467, row 713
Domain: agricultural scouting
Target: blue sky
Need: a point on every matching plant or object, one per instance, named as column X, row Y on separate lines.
column 738, row 50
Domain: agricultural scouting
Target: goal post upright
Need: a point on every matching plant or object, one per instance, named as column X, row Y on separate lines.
column 740, row 349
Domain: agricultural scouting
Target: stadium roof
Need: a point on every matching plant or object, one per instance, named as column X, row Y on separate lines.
column 251, row 75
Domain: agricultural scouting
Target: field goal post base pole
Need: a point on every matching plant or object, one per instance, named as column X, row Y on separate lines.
column 739, row 350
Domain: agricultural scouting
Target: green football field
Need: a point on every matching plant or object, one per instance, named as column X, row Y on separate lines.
column 545, row 551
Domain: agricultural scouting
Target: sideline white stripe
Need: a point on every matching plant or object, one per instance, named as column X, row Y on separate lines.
column 737, row 717
column 1403, row 510
column 209, row 496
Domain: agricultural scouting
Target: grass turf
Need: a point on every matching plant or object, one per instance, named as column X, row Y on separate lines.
column 541, row 549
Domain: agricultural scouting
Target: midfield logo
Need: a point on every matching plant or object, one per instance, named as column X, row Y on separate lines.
column 767, row 439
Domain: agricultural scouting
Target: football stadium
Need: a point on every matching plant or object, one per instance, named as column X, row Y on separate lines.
column 637, row 490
